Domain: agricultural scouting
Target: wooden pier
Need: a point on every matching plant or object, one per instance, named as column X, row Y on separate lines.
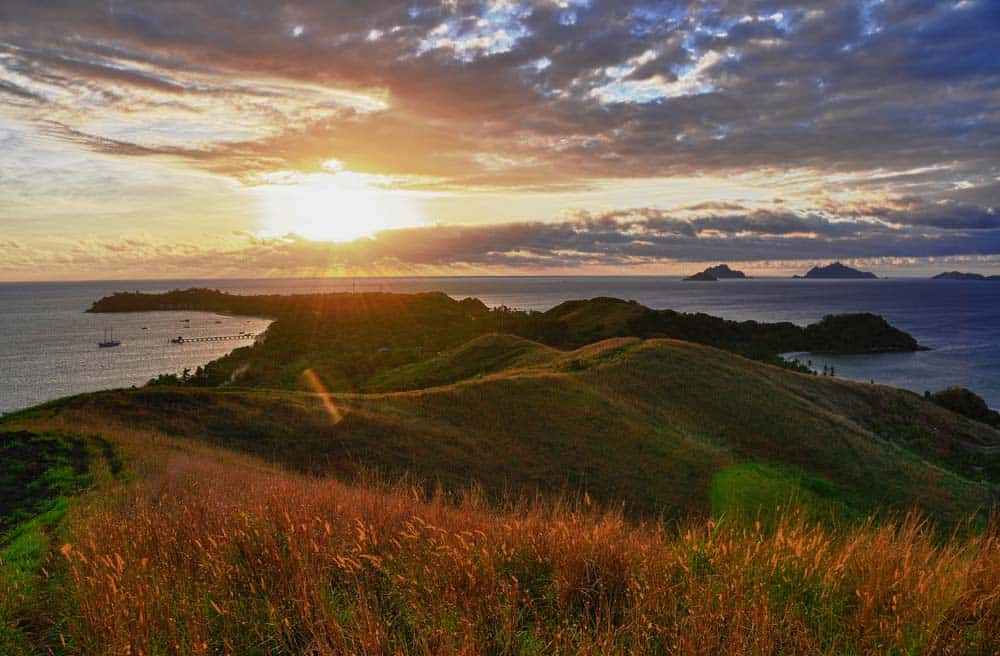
column 215, row 338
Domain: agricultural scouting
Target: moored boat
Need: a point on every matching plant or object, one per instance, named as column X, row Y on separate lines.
column 109, row 342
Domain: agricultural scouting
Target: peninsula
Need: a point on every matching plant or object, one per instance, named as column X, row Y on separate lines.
column 361, row 334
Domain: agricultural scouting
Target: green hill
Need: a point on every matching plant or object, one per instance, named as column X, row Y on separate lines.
column 483, row 355
column 184, row 548
column 258, row 519
column 648, row 423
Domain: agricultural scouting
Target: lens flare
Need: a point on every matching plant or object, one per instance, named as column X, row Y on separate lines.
column 313, row 382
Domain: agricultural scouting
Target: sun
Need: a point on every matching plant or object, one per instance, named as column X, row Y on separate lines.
column 334, row 206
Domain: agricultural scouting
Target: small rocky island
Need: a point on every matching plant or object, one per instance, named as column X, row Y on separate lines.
column 959, row 275
column 859, row 333
column 718, row 272
column 837, row 271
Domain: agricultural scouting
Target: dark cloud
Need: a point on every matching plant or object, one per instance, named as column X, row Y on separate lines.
column 646, row 235
column 638, row 237
column 948, row 216
column 21, row 92
column 837, row 85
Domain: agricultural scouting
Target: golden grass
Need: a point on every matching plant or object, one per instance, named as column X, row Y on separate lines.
column 209, row 553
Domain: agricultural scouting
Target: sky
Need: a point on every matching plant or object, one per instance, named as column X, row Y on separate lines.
column 184, row 139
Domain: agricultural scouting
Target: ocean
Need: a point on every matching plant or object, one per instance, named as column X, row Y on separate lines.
column 48, row 344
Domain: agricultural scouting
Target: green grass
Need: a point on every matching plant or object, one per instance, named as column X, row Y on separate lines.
column 751, row 491
column 22, row 557
column 39, row 473
column 36, row 471
column 483, row 355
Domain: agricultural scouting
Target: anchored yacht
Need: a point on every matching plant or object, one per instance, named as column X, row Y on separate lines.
column 109, row 342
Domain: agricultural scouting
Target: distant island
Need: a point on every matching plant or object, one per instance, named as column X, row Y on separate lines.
column 837, row 271
column 718, row 272
column 959, row 275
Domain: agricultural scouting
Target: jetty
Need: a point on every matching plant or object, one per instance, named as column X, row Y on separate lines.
column 180, row 339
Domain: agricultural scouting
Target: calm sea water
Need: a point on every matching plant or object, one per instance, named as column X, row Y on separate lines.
column 48, row 345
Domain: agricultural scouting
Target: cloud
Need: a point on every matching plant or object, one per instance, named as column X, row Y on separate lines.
column 639, row 239
column 866, row 129
column 629, row 89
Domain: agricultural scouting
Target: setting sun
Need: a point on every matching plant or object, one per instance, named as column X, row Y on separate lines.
column 334, row 205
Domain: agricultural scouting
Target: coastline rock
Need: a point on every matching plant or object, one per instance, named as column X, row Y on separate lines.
column 704, row 276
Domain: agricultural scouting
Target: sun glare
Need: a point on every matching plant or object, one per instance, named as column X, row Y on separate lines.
column 333, row 206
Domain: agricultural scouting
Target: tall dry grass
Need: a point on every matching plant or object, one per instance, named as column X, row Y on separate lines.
column 208, row 556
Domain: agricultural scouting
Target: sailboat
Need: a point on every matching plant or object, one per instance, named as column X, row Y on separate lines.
column 109, row 342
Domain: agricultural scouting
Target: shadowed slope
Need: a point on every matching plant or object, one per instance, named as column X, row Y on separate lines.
column 648, row 423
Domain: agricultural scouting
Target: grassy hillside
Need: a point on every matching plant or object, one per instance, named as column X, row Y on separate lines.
column 483, row 355
column 647, row 423
column 630, row 496
column 40, row 474
column 202, row 551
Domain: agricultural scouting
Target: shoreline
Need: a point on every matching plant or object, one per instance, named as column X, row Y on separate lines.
column 773, row 300
column 67, row 361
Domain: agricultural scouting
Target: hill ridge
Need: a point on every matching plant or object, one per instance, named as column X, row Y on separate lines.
column 648, row 422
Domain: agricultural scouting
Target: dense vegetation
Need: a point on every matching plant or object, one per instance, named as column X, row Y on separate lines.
column 600, row 318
